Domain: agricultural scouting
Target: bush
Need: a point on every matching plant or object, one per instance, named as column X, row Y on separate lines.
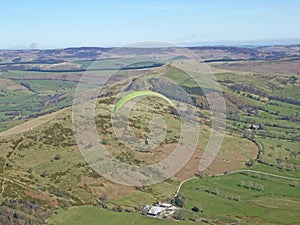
column 250, row 163
column 103, row 142
column 179, row 200
column 57, row 157
column 195, row 209
column 15, row 215
column 117, row 209
column 182, row 215
column 44, row 174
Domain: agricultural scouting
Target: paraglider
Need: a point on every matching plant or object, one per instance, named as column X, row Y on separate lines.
column 126, row 98
column 146, row 141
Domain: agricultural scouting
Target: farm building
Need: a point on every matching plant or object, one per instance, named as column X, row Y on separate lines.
column 155, row 210
column 166, row 205
column 160, row 209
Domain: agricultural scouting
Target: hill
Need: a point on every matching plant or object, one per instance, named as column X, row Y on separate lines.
column 42, row 167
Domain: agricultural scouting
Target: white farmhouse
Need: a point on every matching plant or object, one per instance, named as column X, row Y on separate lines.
column 155, row 210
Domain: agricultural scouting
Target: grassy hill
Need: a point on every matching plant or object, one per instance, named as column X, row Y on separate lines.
column 44, row 165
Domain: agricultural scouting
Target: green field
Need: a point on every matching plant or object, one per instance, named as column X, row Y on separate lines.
column 245, row 197
column 23, row 98
column 45, row 161
column 96, row 216
column 270, row 102
column 282, row 153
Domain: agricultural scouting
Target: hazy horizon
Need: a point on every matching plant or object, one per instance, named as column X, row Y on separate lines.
column 62, row 24
column 241, row 43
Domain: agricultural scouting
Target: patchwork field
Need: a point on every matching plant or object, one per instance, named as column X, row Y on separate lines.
column 41, row 167
column 244, row 197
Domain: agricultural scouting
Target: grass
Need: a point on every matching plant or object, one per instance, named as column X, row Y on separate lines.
column 282, row 108
column 276, row 151
column 34, row 123
column 237, row 198
column 69, row 177
column 36, row 153
column 291, row 91
column 115, row 64
column 137, row 199
column 278, row 136
column 180, row 77
column 50, row 86
column 275, row 170
column 157, row 192
column 32, row 74
column 96, row 216
column 38, row 97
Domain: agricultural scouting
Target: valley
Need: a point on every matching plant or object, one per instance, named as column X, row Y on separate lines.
column 42, row 167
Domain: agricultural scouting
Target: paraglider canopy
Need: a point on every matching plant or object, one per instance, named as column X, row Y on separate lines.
column 130, row 96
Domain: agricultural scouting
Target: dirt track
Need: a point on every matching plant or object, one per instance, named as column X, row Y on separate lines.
column 34, row 123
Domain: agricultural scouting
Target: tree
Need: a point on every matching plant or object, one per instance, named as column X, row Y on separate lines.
column 117, row 209
column 15, row 215
column 179, row 200
column 44, row 174
column 248, row 134
column 57, row 157
column 257, row 187
column 250, row 184
column 250, row 163
column 103, row 142
column 242, row 183
column 294, row 184
column 261, row 126
column 103, row 198
column 180, row 215
column 261, row 187
column 195, row 209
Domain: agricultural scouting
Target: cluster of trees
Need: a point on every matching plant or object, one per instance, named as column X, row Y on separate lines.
column 285, row 99
column 179, row 200
column 58, row 135
column 170, row 90
column 251, row 90
column 26, row 85
column 249, row 134
column 293, row 79
column 126, row 157
column 234, row 198
column 251, row 185
column 291, row 118
column 287, row 136
column 104, row 203
column 16, row 211
column 248, row 89
column 214, row 192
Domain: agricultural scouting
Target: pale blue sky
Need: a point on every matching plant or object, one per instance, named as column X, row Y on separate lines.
column 65, row 23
